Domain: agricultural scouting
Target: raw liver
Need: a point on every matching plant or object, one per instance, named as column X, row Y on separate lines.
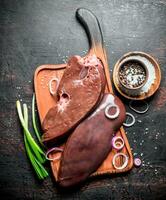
column 89, row 144
column 80, row 89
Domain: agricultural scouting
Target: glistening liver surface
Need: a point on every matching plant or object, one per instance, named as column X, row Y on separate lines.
column 91, row 138
column 79, row 91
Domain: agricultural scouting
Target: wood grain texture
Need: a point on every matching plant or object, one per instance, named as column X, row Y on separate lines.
column 37, row 32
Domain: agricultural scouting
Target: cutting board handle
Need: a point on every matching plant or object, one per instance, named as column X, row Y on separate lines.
column 92, row 28
column 94, row 33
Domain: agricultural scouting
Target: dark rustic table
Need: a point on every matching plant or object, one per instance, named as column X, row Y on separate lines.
column 35, row 32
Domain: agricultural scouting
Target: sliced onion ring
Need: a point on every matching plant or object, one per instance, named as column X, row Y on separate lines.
column 133, row 120
column 115, row 142
column 124, row 164
column 137, row 162
column 114, row 115
column 53, row 149
column 50, row 85
column 139, row 111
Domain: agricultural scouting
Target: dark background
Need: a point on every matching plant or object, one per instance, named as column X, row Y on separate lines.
column 35, row 32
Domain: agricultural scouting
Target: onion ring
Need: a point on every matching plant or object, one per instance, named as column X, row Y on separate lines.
column 115, row 142
column 137, row 162
column 139, row 111
column 125, row 162
column 133, row 118
column 50, row 85
column 114, row 115
column 53, row 149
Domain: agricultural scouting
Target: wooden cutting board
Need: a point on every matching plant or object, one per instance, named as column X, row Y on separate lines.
column 45, row 101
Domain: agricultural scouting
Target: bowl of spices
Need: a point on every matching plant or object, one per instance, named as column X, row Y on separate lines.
column 136, row 75
column 132, row 75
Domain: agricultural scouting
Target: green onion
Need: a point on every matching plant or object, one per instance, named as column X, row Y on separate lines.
column 32, row 159
column 40, row 170
column 34, row 119
column 36, row 149
column 34, row 152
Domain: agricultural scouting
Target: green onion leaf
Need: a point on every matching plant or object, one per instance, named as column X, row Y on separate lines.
column 34, row 152
column 34, row 119
column 30, row 155
column 36, row 149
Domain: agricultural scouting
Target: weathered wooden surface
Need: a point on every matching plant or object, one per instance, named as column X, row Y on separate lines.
column 37, row 32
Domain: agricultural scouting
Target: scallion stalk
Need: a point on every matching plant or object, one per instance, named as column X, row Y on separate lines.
column 34, row 152
column 35, row 147
column 34, row 119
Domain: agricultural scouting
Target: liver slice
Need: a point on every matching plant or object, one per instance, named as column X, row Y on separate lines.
column 80, row 89
column 89, row 144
